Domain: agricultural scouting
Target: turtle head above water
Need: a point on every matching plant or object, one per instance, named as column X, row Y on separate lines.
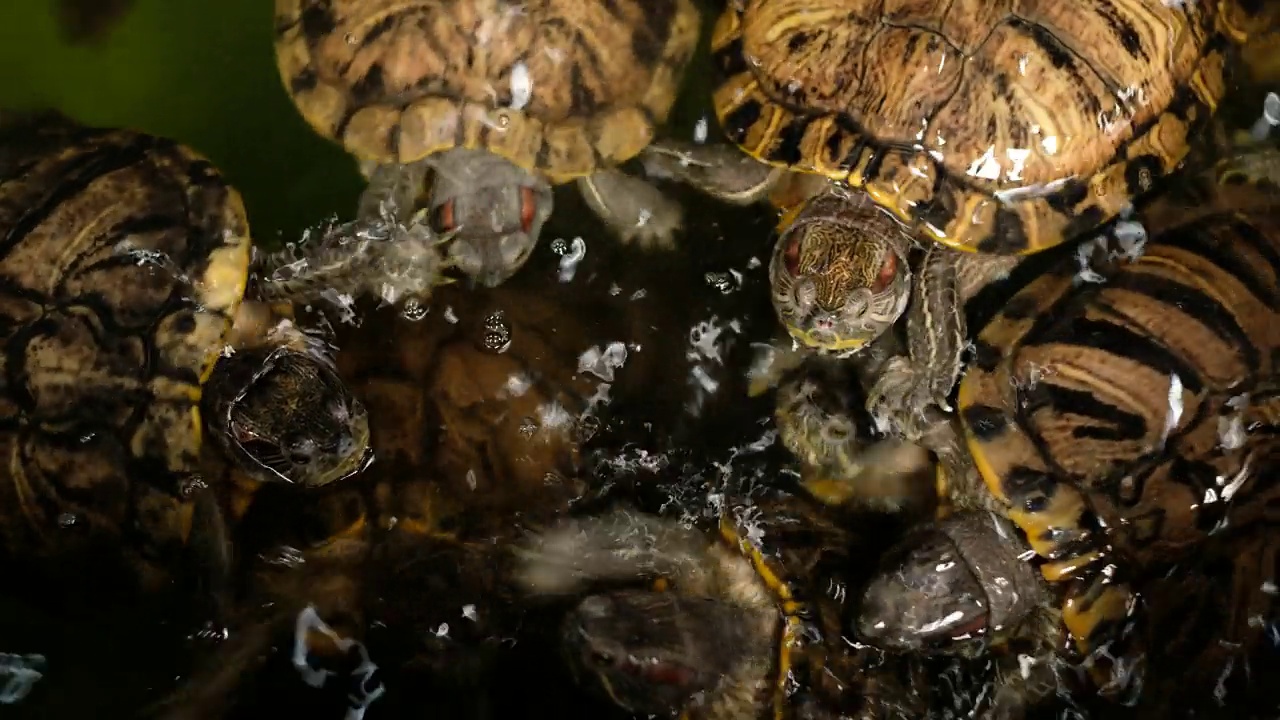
column 283, row 414
column 949, row 586
column 494, row 210
column 839, row 273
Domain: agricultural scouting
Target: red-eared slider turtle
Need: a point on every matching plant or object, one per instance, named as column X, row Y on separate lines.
column 984, row 131
column 740, row 623
column 1111, row 427
column 128, row 340
column 498, row 101
column 478, row 414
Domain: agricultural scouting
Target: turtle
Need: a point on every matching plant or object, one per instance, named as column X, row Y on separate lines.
column 131, row 334
column 735, row 617
column 480, row 415
column 572, row 90
column 1106, row 429
column 939, row 144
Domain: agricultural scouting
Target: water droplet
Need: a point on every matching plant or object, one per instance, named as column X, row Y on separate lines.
column 497, row 333
column 284, row 555
column 722, row 281
column 559, row 246
column 528, row 427
column 67, row 519
column 191, row 485
column 587, row 428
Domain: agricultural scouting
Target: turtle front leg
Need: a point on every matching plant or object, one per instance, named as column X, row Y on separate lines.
column 911, row 385
column 392, row 190
column 399, row 262
column 636, row 211
column 722, row 171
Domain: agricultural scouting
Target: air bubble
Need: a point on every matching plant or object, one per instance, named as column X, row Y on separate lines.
column 497, row 333
column 67, row 519
column 413, row 310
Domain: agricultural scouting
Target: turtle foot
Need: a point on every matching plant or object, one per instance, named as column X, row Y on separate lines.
column 398, row 262
column 637, row 212
column 843, row 464
column 901, row 400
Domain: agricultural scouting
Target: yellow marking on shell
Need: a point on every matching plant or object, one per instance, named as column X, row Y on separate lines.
column 421, row 527
column 243, row 490
column 1063, row 509
column 942, row 486
column 354, row 531
column 186, row 520
column 727, row 28
column 661, row 585
column 1061, row 570
column 1081, row 617
column 788, row 216
column 827, row 490
column 791, row 626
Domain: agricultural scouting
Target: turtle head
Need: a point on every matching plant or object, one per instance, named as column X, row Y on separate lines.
column 283, row 414
column 493, row 209
column 839, row 273
column 656, row 652
column 950, row 586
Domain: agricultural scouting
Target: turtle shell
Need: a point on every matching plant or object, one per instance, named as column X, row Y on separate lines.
column 564, row 87
column 125, row 257
column 1000, row 127
column 806, row 556
column 1120, row 423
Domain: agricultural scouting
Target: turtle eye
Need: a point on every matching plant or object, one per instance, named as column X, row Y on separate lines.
column 442, row 217
column 528, row 208
column 888, row 271
column 791, row 254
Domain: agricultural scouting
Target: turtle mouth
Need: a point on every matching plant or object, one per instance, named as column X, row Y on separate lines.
column 827, row 343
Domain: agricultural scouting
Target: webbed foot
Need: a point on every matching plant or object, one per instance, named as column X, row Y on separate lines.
column 821, row 422
column 400, row 262
column 902, row 400
column 635, row 210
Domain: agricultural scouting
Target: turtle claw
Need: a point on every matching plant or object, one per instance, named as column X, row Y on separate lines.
column 637, row 212
column 900, row 399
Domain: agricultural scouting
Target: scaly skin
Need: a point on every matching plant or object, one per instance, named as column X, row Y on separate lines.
column 842, row 276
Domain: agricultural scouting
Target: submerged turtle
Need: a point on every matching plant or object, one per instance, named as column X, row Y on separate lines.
column 1106, row 429
column 741, row 625
column 128, row 339
column 983, row 131
column 499, row 101
column 479, row 412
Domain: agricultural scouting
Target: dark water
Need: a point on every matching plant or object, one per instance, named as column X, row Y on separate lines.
column 677, row 419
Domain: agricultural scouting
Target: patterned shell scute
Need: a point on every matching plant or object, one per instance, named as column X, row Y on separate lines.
column 123, row 258
column 1120, row 422
column 996, row 125
column 562, row 86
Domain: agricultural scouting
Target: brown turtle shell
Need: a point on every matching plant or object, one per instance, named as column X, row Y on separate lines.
column 564, row 87
column 997, row 126
column 1122, row 424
